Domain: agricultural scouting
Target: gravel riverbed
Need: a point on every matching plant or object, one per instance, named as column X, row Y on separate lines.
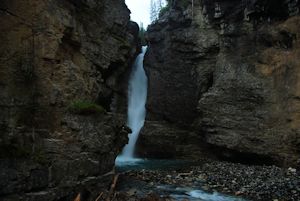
column 266, row 183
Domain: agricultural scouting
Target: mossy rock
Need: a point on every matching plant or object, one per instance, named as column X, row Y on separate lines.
column 85, row 108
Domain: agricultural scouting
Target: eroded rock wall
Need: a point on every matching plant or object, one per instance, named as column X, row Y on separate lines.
column 53, row 53
column 229, row 71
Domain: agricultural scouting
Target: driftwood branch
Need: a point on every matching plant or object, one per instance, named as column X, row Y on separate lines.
column 98, row 198
column 115, row 194
column 112, row 187
column 77, row 197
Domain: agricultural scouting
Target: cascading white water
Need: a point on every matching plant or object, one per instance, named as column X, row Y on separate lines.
column 137, row 95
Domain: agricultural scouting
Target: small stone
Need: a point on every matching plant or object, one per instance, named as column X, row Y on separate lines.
column 292, row 170
column 239, row 193
column 131, row 192
column 206, row 188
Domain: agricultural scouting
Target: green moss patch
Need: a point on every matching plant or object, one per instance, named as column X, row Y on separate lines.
column 85, row 108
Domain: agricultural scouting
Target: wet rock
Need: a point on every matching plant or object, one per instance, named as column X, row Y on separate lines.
column 175, row 142
column 57, row 53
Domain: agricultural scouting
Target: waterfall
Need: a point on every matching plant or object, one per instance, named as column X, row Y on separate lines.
column 137, row 95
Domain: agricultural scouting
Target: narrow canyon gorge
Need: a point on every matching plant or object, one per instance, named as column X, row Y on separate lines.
column 220, row 101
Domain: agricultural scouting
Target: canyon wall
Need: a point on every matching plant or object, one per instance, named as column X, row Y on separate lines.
column 58, row 56
column 224, row 78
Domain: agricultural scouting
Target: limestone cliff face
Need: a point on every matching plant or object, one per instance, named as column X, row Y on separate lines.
column 229, row 71
column 52, row 53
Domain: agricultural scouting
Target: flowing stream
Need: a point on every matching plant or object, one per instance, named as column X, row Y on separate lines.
column 188, row 192
column 137, row 95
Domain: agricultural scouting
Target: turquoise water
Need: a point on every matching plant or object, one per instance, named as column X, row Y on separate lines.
column 194, row 194
column 140, row 164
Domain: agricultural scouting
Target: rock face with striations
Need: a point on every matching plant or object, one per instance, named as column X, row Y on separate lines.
column 228, row 71
column 55, row 53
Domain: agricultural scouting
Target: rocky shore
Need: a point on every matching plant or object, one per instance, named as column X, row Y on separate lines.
column 266, row 183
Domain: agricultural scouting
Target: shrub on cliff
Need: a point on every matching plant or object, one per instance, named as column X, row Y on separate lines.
column 85, row 108
column 163, row 10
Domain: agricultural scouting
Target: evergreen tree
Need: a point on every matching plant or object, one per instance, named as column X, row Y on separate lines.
column 155, row 7
column 153, row 10
column 160, row 4
column 142, row 34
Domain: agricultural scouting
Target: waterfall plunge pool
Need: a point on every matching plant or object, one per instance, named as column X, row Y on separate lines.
column 123, row 165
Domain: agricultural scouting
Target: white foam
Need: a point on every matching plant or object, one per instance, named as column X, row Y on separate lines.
column 125, row 161
column 211, row 196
